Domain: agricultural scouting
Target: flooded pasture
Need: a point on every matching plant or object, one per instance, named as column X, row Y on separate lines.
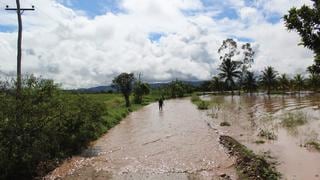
column 277, row 126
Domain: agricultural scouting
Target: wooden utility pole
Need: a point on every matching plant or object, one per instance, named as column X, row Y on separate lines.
column 19, row 11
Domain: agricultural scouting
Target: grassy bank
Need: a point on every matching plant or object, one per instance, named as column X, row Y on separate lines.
column 115, row 107
column 201, row 104
column 249, row 165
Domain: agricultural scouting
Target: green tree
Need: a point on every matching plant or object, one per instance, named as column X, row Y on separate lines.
column 284, row 82
column 124, row 83
column 177, row 89
column 229, row 70
column 313, row 81
column 298, row 82
column 217, row 84
column 250, row 82
column 306, row 21
column 268, row 78
column 246, row 62
column 140, row 89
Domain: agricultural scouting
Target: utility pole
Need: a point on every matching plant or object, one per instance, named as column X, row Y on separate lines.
column 19, row 11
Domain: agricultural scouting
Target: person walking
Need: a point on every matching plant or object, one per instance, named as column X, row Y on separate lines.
column 161, row 103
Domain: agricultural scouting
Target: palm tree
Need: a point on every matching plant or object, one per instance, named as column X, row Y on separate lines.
column 216, row 84
column 268, row 78
column 229, row 70
column 313, row 81
column 284, row 82
column 250, row 82
column 298, row 82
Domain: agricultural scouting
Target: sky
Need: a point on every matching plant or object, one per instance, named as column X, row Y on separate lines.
column 86, row 43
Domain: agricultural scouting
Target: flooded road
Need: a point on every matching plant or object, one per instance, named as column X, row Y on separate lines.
column 176, row 143
column 276, row 126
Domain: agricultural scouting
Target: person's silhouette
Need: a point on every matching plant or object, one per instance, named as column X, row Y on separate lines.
column 160, row 104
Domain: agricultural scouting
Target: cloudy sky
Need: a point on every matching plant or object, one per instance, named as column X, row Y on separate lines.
column 84, row 43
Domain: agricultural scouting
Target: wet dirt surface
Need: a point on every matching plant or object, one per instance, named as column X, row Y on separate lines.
column 176, row 143
column 248, row 115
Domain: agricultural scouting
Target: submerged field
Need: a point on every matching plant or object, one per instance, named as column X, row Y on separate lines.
column 284, row 129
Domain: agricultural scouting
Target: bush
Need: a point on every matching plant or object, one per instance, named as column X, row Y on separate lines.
column 203, row 105
column 51, row 125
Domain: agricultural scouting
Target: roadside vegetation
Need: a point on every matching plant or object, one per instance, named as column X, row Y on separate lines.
column 53, row 124
column 201, row 104
column 249, row 165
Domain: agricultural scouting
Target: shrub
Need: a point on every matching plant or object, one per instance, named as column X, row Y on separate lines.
column 203, row 105
column 51, row 125
column 291, row 120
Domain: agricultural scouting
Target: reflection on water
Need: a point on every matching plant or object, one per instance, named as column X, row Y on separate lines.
column 294, row 120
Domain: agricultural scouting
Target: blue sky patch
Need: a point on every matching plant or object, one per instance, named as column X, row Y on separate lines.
column 155, row 36
column 93, row 8
column 7, row 28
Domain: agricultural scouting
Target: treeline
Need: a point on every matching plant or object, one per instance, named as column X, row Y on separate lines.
column 268, row 81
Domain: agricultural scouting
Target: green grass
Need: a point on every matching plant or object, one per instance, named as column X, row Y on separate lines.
column 248, row 164
column 267, row 134
column 291, row 120
column 116, row 109
column 314, row 144
column 201, row 104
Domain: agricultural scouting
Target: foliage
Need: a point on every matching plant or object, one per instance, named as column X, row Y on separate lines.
column 313, row 144
column 250, row 82
column 306, row 21
column 268, row 78
column 217, row 84
column 123, row 83
column 284, row 82
column 267, row 134
column 248, row 164
column 178, row 89
column 201, row 104
column 291, row 120
column 229, row 70
column 298, row 82
column 51, row 125
column 139, row 90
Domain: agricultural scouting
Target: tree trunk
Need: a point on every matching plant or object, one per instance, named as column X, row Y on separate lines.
column 127, row 98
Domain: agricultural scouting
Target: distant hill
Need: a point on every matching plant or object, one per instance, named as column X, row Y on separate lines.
column 103, row 89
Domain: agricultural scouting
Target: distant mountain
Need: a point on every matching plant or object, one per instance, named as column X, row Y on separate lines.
column 103, row 89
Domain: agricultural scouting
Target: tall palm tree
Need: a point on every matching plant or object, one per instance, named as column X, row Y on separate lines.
column 250, row 82
column 229, row 70
column 284, row 82
column 298, row 82
column 268, row 78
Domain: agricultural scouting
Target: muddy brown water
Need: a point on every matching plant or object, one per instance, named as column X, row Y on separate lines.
column 248, row 115
column 176, row 143
column 181, row 142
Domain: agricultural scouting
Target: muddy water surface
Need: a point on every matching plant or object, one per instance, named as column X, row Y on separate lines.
column 176, row 143
column 249, row 115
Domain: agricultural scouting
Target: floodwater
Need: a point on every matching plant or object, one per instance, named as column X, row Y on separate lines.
column 175, row 143
column 249, row 115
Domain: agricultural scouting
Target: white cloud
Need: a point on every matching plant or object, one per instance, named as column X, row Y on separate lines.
column 65, row 45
